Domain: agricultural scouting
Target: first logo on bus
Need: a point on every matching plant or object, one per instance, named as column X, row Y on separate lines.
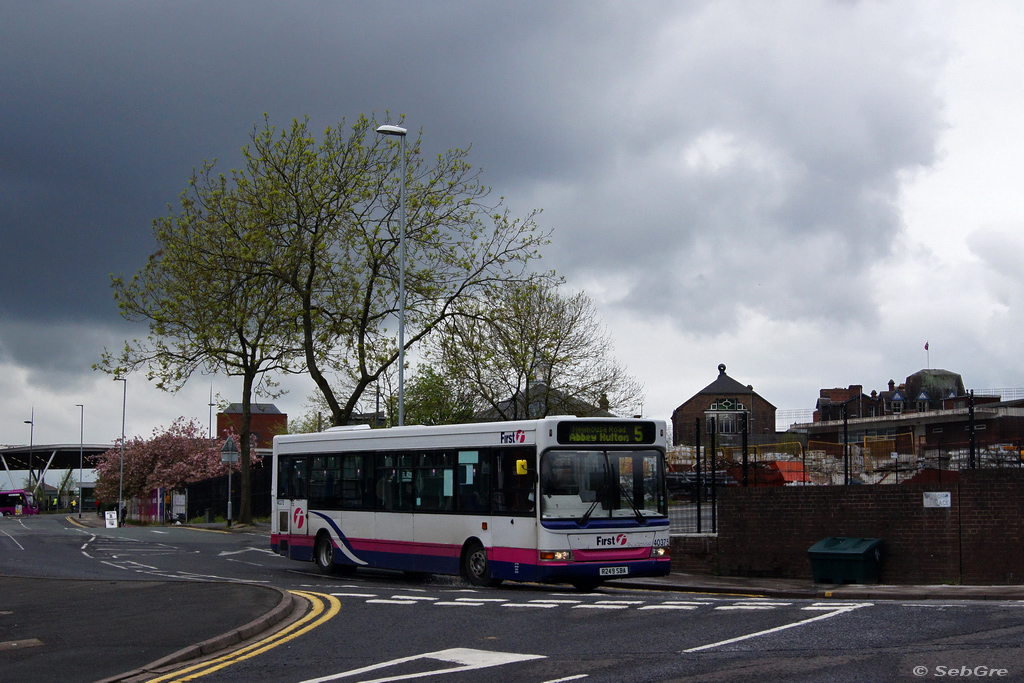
column 518, row 436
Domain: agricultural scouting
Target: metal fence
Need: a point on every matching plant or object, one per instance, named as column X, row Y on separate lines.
column 873, row 461
column 689, row 518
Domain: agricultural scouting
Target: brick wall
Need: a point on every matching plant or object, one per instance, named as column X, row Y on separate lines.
column 695, row 554
column 992, row 526
column 767, row 531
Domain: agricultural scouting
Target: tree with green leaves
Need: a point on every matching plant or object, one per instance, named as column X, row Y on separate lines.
column 432, row 398
column 205, row 309
column 529, row 351
column 331, row 235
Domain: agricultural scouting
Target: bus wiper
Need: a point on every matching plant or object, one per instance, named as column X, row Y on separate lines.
column 582, row 521
column 640, row 519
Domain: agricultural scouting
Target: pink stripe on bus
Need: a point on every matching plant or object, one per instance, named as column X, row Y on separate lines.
column 521, row 555
column 611, row 554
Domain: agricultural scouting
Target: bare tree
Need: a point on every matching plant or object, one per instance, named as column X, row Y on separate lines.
column 528, row 351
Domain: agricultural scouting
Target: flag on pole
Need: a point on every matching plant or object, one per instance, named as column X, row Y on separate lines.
column 926, row 346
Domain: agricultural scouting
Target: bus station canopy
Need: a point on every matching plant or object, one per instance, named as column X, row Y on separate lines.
column 40, row 458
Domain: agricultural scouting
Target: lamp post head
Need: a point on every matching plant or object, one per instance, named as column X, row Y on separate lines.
column 392, row 130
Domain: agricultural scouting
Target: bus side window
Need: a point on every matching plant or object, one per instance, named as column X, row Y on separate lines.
column 435, row 490
column 357, row 482
column 474, row 480
column 394, row 482
column 514, row 492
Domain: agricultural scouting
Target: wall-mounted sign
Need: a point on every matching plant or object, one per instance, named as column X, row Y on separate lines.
column 938, row 499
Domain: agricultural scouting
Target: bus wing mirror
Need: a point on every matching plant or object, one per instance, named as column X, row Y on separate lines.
column 522, row 467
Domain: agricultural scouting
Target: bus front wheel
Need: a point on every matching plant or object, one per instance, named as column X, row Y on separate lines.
column 323, row 554
column 476, row 568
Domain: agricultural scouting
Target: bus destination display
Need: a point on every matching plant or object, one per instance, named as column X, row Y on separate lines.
column 580, row 433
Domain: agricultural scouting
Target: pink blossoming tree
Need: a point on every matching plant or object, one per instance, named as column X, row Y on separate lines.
column 170, row 459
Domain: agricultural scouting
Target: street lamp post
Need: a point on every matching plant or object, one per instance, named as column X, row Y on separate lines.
column 81, row 447
column 400, row 132
column 31, row 445
column 120, row 477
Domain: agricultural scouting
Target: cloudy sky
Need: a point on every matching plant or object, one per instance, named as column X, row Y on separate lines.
column 804, row 191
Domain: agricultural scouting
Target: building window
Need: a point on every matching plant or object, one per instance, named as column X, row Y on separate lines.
column 897, row 407
column 922, row 406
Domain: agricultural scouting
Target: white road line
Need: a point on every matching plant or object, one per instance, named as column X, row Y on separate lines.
column 465, row 659
column 936, row 604
column 14, row 539
column 412, row 597
column 820, row 617
column 829, row 606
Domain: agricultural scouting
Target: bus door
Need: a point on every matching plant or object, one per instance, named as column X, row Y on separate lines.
column 293, row 496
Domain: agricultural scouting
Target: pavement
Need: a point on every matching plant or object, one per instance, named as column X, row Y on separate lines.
column 122, row 631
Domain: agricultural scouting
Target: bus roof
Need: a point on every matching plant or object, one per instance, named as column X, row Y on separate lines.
column 473, row 434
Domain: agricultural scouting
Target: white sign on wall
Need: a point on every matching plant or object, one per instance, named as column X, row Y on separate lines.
column 938, row 499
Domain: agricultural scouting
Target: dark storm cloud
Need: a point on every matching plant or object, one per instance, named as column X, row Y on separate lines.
column 108, row 106
column 744, row 153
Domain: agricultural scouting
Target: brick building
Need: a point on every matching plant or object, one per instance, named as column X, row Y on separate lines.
column 728, row 402
column 922, row 422
column 267, row 421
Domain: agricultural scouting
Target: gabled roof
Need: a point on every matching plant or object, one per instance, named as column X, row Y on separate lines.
column 725, row 385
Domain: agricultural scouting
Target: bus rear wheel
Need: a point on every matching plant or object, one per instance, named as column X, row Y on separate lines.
column 475, row 567
column 323, row 554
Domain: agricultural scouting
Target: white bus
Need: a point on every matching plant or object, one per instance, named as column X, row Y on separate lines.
column 561, row 499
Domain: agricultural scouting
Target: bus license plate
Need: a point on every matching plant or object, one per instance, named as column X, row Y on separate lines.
column 613, row 571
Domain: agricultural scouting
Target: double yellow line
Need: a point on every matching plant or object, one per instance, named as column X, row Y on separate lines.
column 325, row 607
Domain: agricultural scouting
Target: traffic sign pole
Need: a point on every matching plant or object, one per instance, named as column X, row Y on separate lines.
column 229, row 454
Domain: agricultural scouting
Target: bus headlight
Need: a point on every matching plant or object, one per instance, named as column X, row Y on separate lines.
column 556, row 555
column 659, row 552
